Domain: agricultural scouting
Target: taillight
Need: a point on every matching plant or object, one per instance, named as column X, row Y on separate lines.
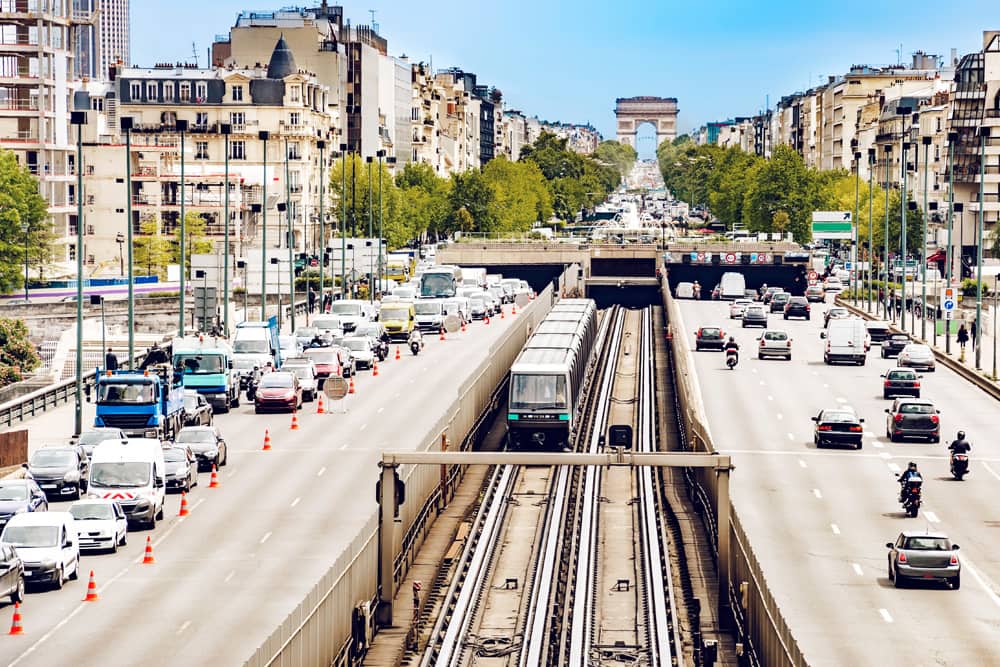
column 762, row 343
column 887, row 384
column 935, row 419
column 954, row 559
column 824, row 427
column 916, row 385
column 808, row 307
column 856, row 429
column 902, row 557
column 898, row 418
column 788, row 344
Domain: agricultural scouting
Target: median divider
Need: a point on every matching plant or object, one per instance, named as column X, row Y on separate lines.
column 978, row 379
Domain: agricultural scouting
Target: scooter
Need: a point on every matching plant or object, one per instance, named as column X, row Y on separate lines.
column 252, row 382
column 732, row 358
column 911, row 496
column 959, row 466
column 416, row 343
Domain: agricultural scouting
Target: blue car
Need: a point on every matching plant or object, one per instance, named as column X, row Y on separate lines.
column 20, row 495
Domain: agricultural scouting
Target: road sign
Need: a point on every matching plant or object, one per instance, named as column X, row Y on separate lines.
column 730, row 257
column 835, row 225
column 452, row 323
column 335, row 388
column 813, row 275
column 949, row 314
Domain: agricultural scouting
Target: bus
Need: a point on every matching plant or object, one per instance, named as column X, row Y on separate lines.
column 440, row 282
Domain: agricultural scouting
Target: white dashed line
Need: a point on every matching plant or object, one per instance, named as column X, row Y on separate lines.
column 932, row 517
column 184, row 626
column 755, row 370
column 363, row 427
column 835, row 528
column 266, row 537
column 295, row 502
column 826, row 386
column 885, row 615
column 885, row 455
column 857, row 569
column 232, row 573
column 818, row 494
column 791, row 436
column 344, row 446
column 870, row 434
column 199, row 502
column 380, row 410
column 779, row 416
column 802, row 464
column 878, row 444
column 982, row 579
column 320, row 472
column 770, row 398
column 841, row 399
column 991, row 470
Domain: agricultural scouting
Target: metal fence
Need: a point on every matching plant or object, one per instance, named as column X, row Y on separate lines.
column 329, row 625
column 760, row 625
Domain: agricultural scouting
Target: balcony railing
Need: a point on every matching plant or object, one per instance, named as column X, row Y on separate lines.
column 992, row 113
column 19, row 105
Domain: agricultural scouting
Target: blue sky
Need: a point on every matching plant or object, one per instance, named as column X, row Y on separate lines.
column 569, row 60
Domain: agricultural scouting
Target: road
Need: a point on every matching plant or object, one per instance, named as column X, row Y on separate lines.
column 819, row 519
column 227, row 575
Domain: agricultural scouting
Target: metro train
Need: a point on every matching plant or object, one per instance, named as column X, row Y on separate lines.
column 547, row 377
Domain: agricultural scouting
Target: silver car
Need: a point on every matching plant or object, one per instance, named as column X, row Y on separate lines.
column 774, row 343
column 361, row 350
column 305, row 371
column 924, row 556
column 916, row 355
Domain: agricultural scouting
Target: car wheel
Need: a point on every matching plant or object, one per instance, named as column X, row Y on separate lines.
column 760, row 356
column 225, row 457
column 114, row 547
column 956, row 583
column 17, row 595
column 256, row 411
column 885, row 396
column 159, row 515
column 786, row 317
column 123, row 540
column 898, row 581
column 858, row 446
column 76, row 569
column 58, row 583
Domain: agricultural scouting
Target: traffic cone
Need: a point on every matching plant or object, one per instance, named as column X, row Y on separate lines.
column 487, row 321
column 397, row 353
column 463, row 327
column 350, row 387
column 92, row 585
column 148, row 558
column 267, row 440
column 502, row 315
column 513, row 309
column 319, row 406
column 295, row 421
column 374, row 369
column 15, row 625
column 184, row 505
column 214, row 482
column 441, row 337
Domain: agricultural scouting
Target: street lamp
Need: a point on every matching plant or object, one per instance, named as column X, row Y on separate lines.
column 182, row 126
column 25, row 230
column 343, row 220
column 380, row 154
column 350, row 246
column 125, row 122
column 226, row 129
column 952, row 138
column 932, row 211
column 288, row 239
column 871, row 226
column 885, row 306
column 277, row 266
column 960, row 209
column 912, row 206
column 996, row 287
column 854, row 232
column 241, row 264
column 984, row 133
column 926, row 141
column 79, row 118
column 263, row 135
column 323, row 252
column 371, row 233
column 120, row 239
column 904, row 137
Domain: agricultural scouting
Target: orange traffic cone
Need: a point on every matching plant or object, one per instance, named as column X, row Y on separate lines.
column 487, row 321
column 295, row 421
column 148, row 558
column 374, row 369
column 267, row 440
column 319, row 406
column 214, row 482
column 184, row 505
column 397, row 353
column 92, row 586
column 463, row 327
column 502, row 315
column 441, row 337
column 15, row 625
column 350, row 387
column 513, row 309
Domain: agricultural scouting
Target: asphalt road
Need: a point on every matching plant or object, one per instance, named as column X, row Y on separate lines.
column 819, row 519
column 227, row 575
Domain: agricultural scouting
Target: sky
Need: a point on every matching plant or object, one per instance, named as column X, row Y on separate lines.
column 568, row 61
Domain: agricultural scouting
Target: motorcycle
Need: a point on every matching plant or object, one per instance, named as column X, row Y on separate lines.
column 959, row 466
column 911, row 496
column 416, row 342
column 732, row 358
column 252, row 381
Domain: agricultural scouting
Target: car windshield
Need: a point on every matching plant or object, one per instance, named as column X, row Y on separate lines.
column 190, row 403
column 321, row 356
column 345, row 309
column 829, row 416
column 32, row 536
column 199, row 364
column 537, row 391
column 395, row 314
column 780, row 296
column 244, row 346
column 775, row 335
column 926, row 543
column 306, row 332
column 477, row 303
column 195, row 435
column 276, row 380
column 916, row 409
column 710, row 332
column 428, row 308
column 901, row 375
column 96, row 511
column 356, row 344
column 95, row 437
column 139, row 393
column 13, row 492
column 302, row 372
column 327, row 323
column 121, row 474
column 174, row 455
column 52, row 458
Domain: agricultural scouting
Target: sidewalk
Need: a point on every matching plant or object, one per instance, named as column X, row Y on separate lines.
column 915, row 326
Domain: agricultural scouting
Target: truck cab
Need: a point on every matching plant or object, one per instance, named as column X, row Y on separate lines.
column 146, row 403
column 207, row 366
column 255, row 345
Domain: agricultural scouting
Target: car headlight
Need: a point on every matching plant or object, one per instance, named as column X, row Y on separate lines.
column 211, row 453
column 48, row 564
column 93, row 495
column 72, row 476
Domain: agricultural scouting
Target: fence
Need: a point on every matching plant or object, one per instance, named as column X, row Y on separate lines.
column 760, row 625
column 321, row 630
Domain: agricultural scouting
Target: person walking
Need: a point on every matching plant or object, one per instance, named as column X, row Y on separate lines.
column 327, row 300
column 963, row 337
column 973, row 333
column 110, row 361
column 891, row 304
column 312, row 300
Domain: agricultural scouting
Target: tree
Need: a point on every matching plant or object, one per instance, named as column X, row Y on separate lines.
column 17, row 354
column 21, row 207
column 622, row 156
column 357, row 195
column 423, row 200
column 471, row 193
column 780, row 222
column 782, row 183
column 520, row 195
column 197, row 242
column 152, row 251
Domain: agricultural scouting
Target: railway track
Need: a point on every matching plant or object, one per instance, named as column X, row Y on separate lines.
column 566, row 565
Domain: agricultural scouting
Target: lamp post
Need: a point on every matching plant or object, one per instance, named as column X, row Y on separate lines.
column 996, row 287
column 912, row 207
column 885, row 306
column 323, row 252
column 984, row 132
column 343, row 221
column 871, row 227
column 277, row 268
column 371, row 232
column 854, row 233
column 226, row 129
column 79, row 118
column 25, row 231
column 182, row 126
column 904, row 112
column 241, row 264
column 960, row 209
column 263, row 135
column 120, row 240
column 381, row 155
column 952, row 138
column 125, row 122
column 931, row 209
column 289, row 240
column 926, row 141
column 354, row 196
column 350, row 295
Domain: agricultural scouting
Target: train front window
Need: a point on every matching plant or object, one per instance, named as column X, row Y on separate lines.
column 538, row 392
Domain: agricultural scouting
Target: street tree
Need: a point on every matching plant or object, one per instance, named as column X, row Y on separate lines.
column 23, row 217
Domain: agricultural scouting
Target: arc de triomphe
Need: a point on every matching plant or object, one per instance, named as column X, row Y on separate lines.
column 631, row 112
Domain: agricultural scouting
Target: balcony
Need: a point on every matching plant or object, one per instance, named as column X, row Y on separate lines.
column 144, row 172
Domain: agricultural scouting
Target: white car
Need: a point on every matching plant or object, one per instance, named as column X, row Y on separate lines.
column 833, row 284
column 774, row 343
column 916, row 355
column 47, row 543
column 737, row 308
column 361, row 350
column 100, row 524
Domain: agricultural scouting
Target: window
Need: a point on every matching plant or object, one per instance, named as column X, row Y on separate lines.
column 97, row 103
column 237, row 93
column 294, row 93
column 168, row 91
column 295, row 119
column 185, row 91
column 151, row 91
column 201, row 92
column 201, row 150
column 294, row 181
column 237, row 119
column 237, row 150
column 135, row 90
column 294, row 151
column 72, row 251
column 201, row 118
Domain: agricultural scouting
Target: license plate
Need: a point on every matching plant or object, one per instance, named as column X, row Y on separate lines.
column 48, row 486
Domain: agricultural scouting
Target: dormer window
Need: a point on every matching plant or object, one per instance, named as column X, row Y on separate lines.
column 237, row 93
column 185, row 91
column 201, row 92
column 295, row 93
column 168, row 91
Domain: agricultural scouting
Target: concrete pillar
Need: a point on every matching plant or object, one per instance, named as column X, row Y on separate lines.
column 386, row 533
column 722, row 514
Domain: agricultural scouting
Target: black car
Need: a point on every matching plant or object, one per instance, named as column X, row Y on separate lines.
column 11, row 574
column 197, row 410
column 901, row 382
column 838, row 426
column 95, row 436
column 207, row 444
column 709, row 338
column 182, row 468
column 778, row 301
column 798, row 306
column 878, row 330
column 60, row 471
column 912, row 418
column 20, row 495
column 894, row 344
column 755, row 315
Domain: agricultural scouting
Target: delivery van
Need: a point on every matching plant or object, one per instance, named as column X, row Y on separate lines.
column 134, row 474
column 846, row 340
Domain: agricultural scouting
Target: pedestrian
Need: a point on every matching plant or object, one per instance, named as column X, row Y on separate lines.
column 327, row 300
column 963, row 336
column 881, row 295
column 973, row 333
column 312, row 300
column 891, row 303
column 110, row 361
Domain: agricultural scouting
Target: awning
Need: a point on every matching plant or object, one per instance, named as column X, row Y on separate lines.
column 938, row 256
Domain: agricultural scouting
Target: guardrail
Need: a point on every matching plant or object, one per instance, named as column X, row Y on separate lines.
column 761, row 627
column 321, row 630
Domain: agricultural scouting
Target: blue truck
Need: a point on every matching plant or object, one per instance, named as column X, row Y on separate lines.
column 144, row 403
column 206, row 364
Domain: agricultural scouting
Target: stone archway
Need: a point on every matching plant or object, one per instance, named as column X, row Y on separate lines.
column 631, row 112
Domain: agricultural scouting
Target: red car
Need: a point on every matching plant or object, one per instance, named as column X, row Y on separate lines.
column 278, row 391
column 327, row 362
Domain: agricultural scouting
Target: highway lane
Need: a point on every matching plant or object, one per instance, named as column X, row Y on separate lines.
column 819, row 519
column 228, row 574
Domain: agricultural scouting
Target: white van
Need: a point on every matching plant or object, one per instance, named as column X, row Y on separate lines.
column 473, row 277
column 732, row 285
column 846, row 340
column 47, row 542
column 429, row 314
column 353, row 312
column 684, row 291
column 134, row 474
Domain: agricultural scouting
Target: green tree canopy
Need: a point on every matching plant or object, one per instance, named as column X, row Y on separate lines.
column 17, row 354
column 23, row 212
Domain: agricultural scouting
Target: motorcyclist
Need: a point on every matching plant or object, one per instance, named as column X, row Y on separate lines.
column 415, row 337
column 732, row 346
column 960, row 445
column 763, row 290
column 696, row 290
column 904, row 477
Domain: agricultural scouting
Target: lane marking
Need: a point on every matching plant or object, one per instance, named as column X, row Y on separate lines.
column 818, row 494
column 344, row 446
column 770, row 398
column 229, row 576
column 397, row 395
column 858, row 570
column 826, row 386
column 779, row 416
column 266, row 537
column 885, row 455
column 878, row 444
column 986, row 584
column 885, row 615
column 841, row 399
column 762, row 383
column 320, row 472
column 835, row 528
column 363, row 427
column 932, row 517
column 199, row 502
column 802, row 464
column 379, row 411
column 991, row 470
column 184, row 626
column 754, row 370
column 791, row 436
column 295, row 502
column 870, row 434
